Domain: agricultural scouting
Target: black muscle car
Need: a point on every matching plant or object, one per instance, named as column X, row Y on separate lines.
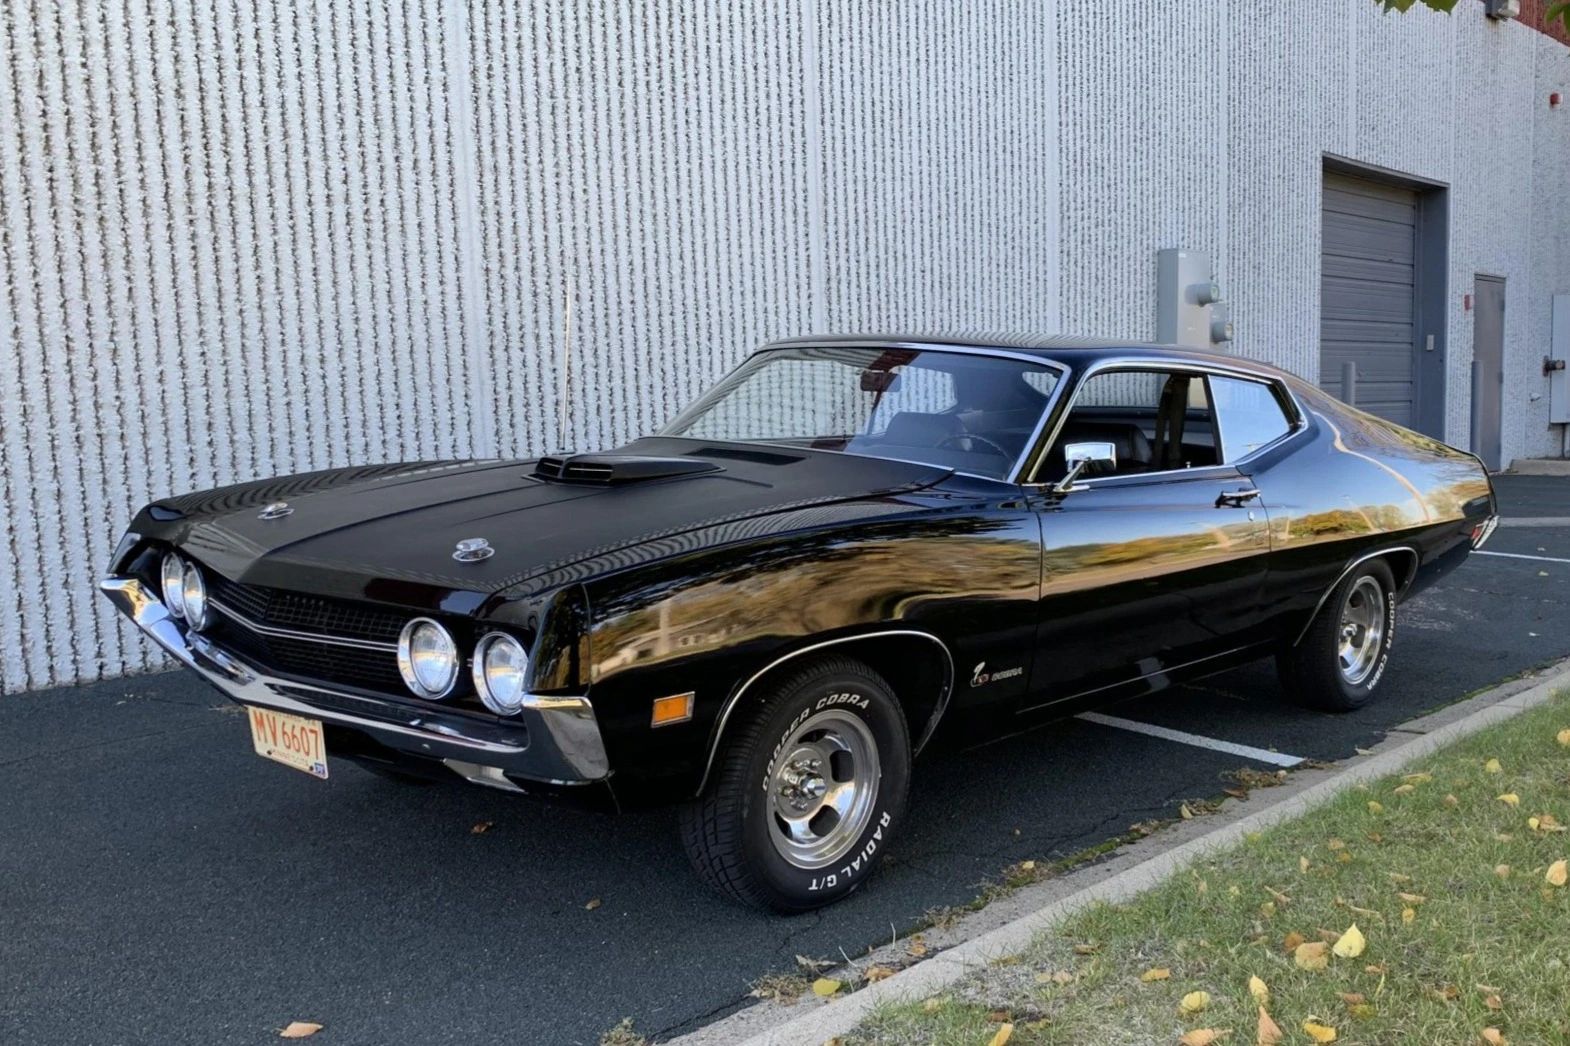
column 765, row 611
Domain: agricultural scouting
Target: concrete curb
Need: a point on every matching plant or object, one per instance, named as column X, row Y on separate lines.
column 1541, row 466
column 1118, row 880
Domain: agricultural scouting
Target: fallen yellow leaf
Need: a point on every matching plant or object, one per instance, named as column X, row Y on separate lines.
column 1319, row 1032
column 1302, row 865
column 1452, row 801
column 1293, row 939
column 1350, row 944
column 932, row 1005
column 1269, row 1033
column 824, row 987
column 1412, row 898
column 1556, row 874
column 1564, row 737
column 1194, row 1002
column 1418, row 778
column 1204, row 1036
column 1502, row 870
column 1004, row 1033
column 1315, row 955
column 481, row 827
column 1492, row 766
column 1532, row 823
column 593, row 904
column 1375, row 807
column 1402, row 789
column 1494, row 1037
column 875, row 974
column 1258, row 990
column 1027, row 866
column 917, row 947
column 300, row 1030
column 1510, row 799
column 1493, row 1002
column 1160, row 973
column 1185, row 813
column 1335, row 844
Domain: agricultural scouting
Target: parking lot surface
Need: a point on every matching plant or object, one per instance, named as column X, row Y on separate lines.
column 162, row 884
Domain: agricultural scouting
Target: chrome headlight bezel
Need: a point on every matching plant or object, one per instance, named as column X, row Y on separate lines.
column 193, row 597
column 503, row 700
column 171, row 584
column 409, row 659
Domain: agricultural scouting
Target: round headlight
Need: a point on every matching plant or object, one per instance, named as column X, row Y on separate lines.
column 193, row 595
column 427, row 658
column 501, row 670
column 172, row 581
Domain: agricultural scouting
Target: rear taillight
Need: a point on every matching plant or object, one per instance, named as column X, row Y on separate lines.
column 1482, row 531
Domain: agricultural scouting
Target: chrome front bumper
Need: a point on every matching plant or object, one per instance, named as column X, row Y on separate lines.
column 554, row 741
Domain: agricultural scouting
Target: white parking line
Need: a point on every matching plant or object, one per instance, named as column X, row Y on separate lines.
column 1517, row 555
column 1246, row 751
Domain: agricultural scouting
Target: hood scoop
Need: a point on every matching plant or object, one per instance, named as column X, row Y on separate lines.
column 606, row 470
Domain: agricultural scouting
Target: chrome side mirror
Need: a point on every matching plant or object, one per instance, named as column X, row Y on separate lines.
column 1079, row 456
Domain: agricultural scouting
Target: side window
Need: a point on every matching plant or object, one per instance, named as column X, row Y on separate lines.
column 1249, row 416
column 1156, row 421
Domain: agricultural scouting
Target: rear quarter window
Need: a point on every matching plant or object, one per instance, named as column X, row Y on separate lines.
column 1249, row 414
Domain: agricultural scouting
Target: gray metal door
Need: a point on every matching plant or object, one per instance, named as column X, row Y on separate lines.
column 1488, row 367
column 1367, row 327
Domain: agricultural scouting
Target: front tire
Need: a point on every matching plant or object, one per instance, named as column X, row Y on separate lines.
column 1342, row 657
column 807, row 791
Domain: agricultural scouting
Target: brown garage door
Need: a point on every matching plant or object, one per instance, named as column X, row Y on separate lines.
column 1367, row 296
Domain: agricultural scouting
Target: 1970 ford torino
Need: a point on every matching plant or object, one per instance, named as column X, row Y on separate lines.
column 766, row 610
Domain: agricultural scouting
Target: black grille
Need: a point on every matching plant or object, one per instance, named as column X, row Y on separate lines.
column 306, row 659
column 299, row 612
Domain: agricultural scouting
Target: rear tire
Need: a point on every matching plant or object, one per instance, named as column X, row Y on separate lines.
column 807, row 791
column 1341, row 658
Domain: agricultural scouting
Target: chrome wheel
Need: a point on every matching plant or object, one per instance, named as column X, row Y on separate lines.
column 823, row 789
column 1362, row 632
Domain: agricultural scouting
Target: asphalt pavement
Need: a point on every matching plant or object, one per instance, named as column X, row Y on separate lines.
column 161, row 884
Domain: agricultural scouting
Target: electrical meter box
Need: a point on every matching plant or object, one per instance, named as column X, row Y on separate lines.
column 1189, row 309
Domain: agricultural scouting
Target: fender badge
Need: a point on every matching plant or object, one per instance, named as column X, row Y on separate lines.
column 276, row 510
column 981, row 677
column 472, row 550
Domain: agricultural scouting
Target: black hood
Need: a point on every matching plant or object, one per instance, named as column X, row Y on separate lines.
column 352, row 527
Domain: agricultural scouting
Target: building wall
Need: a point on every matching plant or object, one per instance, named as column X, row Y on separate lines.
column 247, row 239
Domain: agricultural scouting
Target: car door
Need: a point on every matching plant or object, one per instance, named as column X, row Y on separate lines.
column 1160, row 563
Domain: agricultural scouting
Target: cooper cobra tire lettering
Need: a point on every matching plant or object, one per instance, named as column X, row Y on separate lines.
column 733, row 831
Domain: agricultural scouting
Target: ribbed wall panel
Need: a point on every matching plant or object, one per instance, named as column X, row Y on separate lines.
column 240, row 239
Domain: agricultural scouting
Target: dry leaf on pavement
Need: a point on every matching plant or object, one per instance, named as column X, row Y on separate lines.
column 481, row 827
column 824, row 987
column 875, row 974
column 593, row 904
column 300, row 1030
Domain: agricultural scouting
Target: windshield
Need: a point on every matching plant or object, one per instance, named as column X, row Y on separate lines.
column 964, row 411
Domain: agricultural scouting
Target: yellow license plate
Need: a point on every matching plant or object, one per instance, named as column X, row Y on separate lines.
column 289, row 739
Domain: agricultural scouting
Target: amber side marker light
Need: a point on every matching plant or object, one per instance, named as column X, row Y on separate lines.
column 674, row 709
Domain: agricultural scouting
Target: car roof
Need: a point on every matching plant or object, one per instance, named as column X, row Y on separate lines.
column 1076, row 351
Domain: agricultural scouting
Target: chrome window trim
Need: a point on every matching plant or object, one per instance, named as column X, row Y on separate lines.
column 735, row 699
column 1126, row 363
column 1417, row 562
column 1015, row 472
column 310, row 637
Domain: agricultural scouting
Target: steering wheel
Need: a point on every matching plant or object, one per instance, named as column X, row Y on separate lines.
column 946, row 440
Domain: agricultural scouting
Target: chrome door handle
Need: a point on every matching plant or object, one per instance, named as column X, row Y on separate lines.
column 1235, row 498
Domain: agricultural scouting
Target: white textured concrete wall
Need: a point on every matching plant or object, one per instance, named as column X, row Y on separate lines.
column 240, row 239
